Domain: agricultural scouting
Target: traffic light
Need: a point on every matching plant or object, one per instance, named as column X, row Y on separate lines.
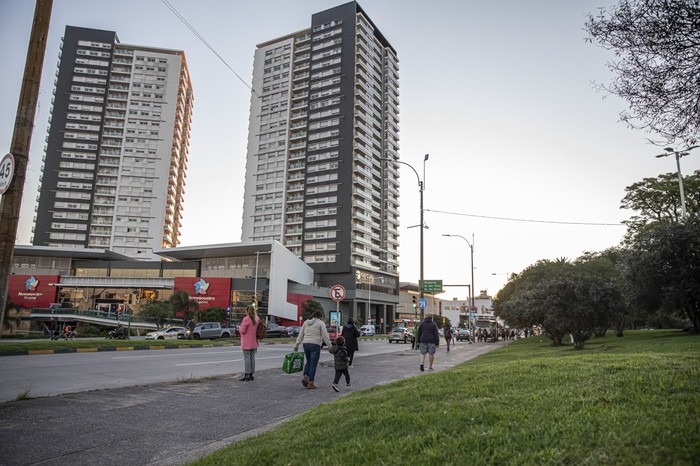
column 414, row 302
column 255, row 301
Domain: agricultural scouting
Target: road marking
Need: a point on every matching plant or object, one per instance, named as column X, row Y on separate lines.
column 219, row 362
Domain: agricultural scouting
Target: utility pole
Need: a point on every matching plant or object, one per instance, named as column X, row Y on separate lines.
column 11, row 201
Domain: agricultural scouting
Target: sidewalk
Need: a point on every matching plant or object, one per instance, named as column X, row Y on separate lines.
column 179, row 422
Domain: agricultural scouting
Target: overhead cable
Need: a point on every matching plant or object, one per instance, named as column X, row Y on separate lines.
column 203, row 40
column 528, row 220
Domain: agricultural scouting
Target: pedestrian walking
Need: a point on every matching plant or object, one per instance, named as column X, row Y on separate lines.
column 448, row 335
column 249, row 342
column 312, row 334
column 340, row 362
column 429, row 339
column 350, row 333
column 190, row 327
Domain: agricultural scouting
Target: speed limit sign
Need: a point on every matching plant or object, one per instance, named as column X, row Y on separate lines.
column 7, row 171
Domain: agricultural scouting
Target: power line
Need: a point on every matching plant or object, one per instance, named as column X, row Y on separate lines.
column 204, row 41
column 527, row 220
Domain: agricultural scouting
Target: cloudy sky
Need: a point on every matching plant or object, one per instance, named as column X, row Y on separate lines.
column 525, row 154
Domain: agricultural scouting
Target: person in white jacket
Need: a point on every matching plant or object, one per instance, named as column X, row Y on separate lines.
column 312, row 334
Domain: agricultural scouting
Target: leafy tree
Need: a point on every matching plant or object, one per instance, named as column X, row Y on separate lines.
column 183, row 304
column 158, row 310
column 608, row 265
column 658, row 200
column 563, row 298
column 657, row 60
column 663, row 268
column 308, row 308
column 213, row 314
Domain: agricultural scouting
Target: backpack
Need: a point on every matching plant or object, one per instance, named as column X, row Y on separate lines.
column 260, row 330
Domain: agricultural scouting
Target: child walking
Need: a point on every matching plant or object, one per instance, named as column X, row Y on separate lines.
column 340, row 355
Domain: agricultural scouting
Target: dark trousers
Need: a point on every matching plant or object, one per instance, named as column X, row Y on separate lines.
column 350, row 355
column 338, row 373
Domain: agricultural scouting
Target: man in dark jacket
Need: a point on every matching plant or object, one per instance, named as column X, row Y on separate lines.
column 429, row 339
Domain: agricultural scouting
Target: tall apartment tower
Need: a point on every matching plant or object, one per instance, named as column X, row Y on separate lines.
column 113, row 175
column 323, row 119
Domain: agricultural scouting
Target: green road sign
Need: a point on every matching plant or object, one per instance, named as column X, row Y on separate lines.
column 432, row 286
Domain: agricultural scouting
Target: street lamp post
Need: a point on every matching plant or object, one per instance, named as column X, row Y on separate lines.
column 471, row 288
column 421, row 188
column 678, row 155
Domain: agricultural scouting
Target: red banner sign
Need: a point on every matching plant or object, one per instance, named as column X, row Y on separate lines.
column 207, row 292
column 28, row 291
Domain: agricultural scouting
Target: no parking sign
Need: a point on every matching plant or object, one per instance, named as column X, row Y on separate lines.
column 337, row 293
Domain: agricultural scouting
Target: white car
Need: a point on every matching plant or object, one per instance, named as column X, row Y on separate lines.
column 169, row 333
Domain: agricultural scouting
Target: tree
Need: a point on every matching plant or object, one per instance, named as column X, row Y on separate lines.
column 183, row 305
column 159, row 311
column 657, row 61
column 608, row 265
column 663, row 268
column 308, row 308
column 564, row 298
column 213, row 314
column 658, row 200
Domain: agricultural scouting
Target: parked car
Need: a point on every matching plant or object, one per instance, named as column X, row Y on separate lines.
column 276, row 331
column 332, row 332
column 403, row 334
column 211, row 330
column 462, row 334
column 169, row 333
column 293, row 330
column 368, row 330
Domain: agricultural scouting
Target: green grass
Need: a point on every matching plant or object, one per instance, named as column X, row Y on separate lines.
column 69, row 345
column 40, row 345
column 621, row 401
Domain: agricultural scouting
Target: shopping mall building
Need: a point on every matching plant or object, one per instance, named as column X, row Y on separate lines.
column 221, row 275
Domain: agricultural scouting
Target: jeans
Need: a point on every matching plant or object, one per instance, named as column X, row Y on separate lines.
column 249, row 360
column 312, row 352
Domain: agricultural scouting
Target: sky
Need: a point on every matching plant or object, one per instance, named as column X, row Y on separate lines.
column 527, row 157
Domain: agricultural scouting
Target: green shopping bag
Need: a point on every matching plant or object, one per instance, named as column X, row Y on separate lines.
column 293, row 362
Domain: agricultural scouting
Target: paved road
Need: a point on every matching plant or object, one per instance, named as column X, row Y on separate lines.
column 175, row 423
column 57, row 374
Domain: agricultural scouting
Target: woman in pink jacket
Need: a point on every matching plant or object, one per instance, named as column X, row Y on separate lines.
column 249, row 342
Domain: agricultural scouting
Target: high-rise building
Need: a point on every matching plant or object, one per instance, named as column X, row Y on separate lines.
column 113, row 175
column 323, row 122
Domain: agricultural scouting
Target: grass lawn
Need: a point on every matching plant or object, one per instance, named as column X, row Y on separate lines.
column 620, row 401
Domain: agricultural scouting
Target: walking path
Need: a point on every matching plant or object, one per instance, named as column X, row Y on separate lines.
column 176, row 423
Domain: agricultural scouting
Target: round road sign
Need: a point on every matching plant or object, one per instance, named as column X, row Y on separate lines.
column 7, row 171
column 337, row 292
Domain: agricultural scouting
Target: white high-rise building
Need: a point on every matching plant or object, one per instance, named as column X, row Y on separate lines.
column 114, row 171
column 323, row 119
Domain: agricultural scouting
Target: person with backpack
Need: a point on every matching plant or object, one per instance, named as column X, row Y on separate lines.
column 350, row 333
column 312, row 334
column 249, row 342
column 340, row 362
column 447, row 333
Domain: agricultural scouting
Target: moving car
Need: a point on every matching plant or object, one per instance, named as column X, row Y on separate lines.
column 403, row 334
column 169, row 333
column 368, row 330
column 462, row 334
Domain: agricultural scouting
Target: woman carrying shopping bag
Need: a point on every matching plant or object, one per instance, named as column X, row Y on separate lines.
column 312, row 334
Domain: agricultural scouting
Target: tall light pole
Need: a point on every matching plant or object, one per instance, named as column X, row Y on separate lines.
column 678, row 155
column 471, row 289
column 421, row 188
